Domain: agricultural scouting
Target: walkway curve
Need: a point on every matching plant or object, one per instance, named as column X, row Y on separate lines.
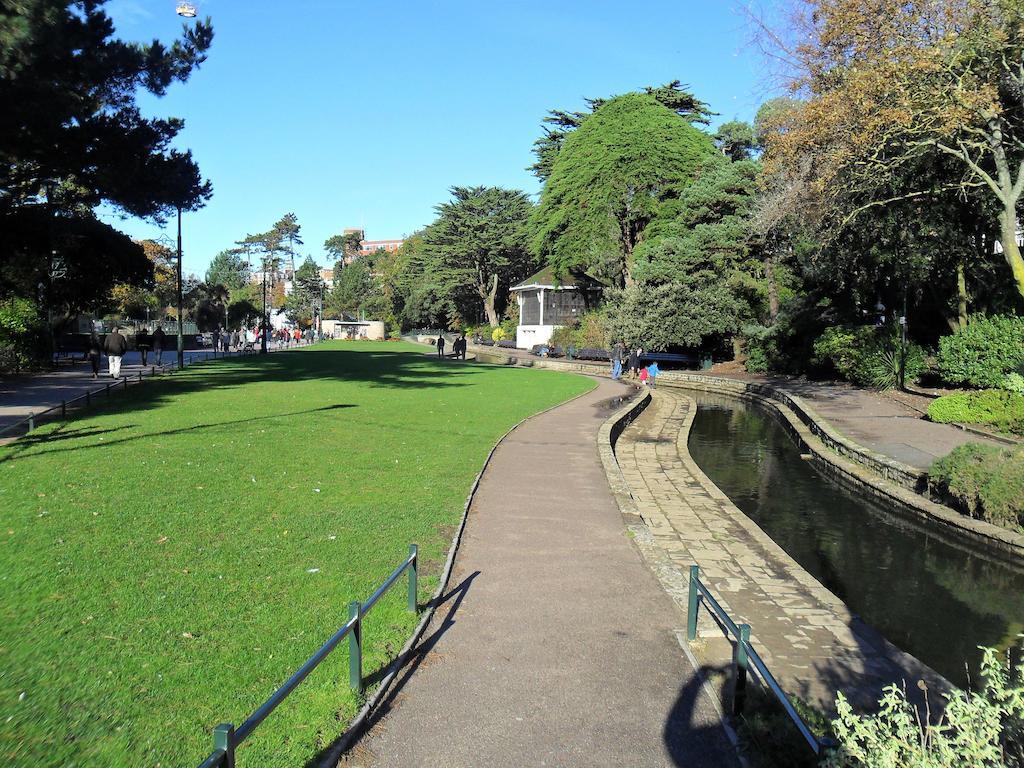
column 555, row 644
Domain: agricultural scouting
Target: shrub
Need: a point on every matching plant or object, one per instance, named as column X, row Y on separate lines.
column 589, row 331
column 498, row 334
column 563, row 336
column 992, row 407
column 983, row 481
column 981, row 353
column 980, row 729
column 760, row 348
column 21, row 333
column 868, row 356
column 1013, row 382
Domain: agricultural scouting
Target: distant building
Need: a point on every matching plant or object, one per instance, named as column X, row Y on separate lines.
column 369, row 247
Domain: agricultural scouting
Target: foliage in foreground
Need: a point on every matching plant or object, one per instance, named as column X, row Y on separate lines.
column 983, row 481
column 997, row 408
column 867, row 356
column 983, row 352
column 980, row 730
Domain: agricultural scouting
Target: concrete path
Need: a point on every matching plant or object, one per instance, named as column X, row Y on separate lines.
column 21, row 395
column 555, row 644
column 877, row 421
column 811, row 641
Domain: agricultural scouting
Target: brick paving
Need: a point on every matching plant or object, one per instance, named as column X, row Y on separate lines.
column 809, row 639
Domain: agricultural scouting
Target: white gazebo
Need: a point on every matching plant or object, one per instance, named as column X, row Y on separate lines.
column 545, row 303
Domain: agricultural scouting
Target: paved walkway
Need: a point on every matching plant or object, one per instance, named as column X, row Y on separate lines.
column 872, row 419
column 811, row 641
column 21, row 395
column 877, row 421
column 555, row 644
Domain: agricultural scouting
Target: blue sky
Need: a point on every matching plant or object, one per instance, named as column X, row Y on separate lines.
column 366, row 113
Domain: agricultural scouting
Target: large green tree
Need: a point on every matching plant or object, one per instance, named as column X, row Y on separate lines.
column 229, row 269
column 479, row 245
column 612, row 177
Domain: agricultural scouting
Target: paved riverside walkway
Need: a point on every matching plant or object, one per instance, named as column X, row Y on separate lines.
column 872, row 419
column 555, row 644
column 810, row 640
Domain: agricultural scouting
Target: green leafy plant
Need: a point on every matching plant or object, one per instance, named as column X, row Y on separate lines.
column 868, row 356
column 982, row 481
column 981, row 353
column 981, row 730
column 20, row 333
column 1013, row 382
column 498, row 334
column 991, row 407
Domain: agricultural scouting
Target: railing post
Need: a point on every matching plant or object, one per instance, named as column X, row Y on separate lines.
column 63, row 409
column 88, row 398
column 694, row 598
column 355, row 647
column 31, row 421
column 414, row 555
column 108, row 390
column 224, row 738
column 740, row 665
column 125, row 383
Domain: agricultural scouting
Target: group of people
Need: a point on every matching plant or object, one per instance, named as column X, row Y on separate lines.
column 114, row 345
column 630, row 364
column 458, row 346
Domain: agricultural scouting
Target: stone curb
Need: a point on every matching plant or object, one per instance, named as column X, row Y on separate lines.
column 356, row 729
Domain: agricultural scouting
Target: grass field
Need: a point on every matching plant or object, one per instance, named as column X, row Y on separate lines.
column 167, row 562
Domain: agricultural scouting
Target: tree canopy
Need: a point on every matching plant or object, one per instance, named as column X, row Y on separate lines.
column 613, row 177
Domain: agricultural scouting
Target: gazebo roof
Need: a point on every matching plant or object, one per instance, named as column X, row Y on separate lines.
column 546, row 278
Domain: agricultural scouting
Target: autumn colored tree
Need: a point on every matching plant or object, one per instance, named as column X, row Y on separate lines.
column 885, row 83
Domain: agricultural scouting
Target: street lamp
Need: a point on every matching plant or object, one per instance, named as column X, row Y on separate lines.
column 181, row 333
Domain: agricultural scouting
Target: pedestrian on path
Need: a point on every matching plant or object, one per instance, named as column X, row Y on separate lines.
column 225, row 341
column 631, row 363
column 617, row 351
column 637, row 362
column 652, row 374
column 216, row 339
column 440, row 345
column 94, row 353
column 158, row 344
column 115, row 345
column 644, row 376
column 234, row 338
column 143, row 342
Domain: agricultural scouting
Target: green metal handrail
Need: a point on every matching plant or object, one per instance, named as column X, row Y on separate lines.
column 744, row 654
column 226, row 739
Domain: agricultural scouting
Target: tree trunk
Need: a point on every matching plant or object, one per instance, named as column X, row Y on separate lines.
column 489, row 297
column 961, row 295
column 773, row 290
column 1011, row 251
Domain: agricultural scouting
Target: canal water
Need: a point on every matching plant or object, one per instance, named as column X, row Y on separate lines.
column 934, row 596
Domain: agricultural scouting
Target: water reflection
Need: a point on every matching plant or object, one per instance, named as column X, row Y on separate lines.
column 933, row 596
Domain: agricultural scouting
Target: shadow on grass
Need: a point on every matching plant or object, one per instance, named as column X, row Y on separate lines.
column 24, row 444
column 392, row 369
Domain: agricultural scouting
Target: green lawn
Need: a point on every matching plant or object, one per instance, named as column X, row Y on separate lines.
column 157, row 556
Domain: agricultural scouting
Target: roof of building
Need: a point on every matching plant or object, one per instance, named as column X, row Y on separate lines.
column 547, row 278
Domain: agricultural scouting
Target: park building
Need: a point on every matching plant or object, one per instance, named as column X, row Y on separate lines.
column 369, row 247
column 546, row 302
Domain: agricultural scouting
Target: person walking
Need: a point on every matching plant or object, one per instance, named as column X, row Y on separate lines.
column 94, row 352
column 115, row 345
column 225, row 341
column 158, row 343
column 440, row 345
column 639, row 360
column 643, row 376
column 216, row 339
column 142, row 343
column 462, row 345
column 234, row 338
column 631, row 363
column 617, row 361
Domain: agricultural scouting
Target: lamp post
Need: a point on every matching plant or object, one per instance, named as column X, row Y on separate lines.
column 263, row 319
column 181, row 332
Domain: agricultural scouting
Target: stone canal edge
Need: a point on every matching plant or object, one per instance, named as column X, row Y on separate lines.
column 677, row 517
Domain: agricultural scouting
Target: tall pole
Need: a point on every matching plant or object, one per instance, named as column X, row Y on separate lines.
column 181, row 331
column 263, row 320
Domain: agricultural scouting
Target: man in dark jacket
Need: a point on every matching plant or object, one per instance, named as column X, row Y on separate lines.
column 440, row 345
column 115, row 345
column 158, row 343
column 142, row 343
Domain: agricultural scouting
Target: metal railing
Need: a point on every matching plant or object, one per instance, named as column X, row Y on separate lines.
column 61, row 411
column 744, row 655
column 226, row 739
